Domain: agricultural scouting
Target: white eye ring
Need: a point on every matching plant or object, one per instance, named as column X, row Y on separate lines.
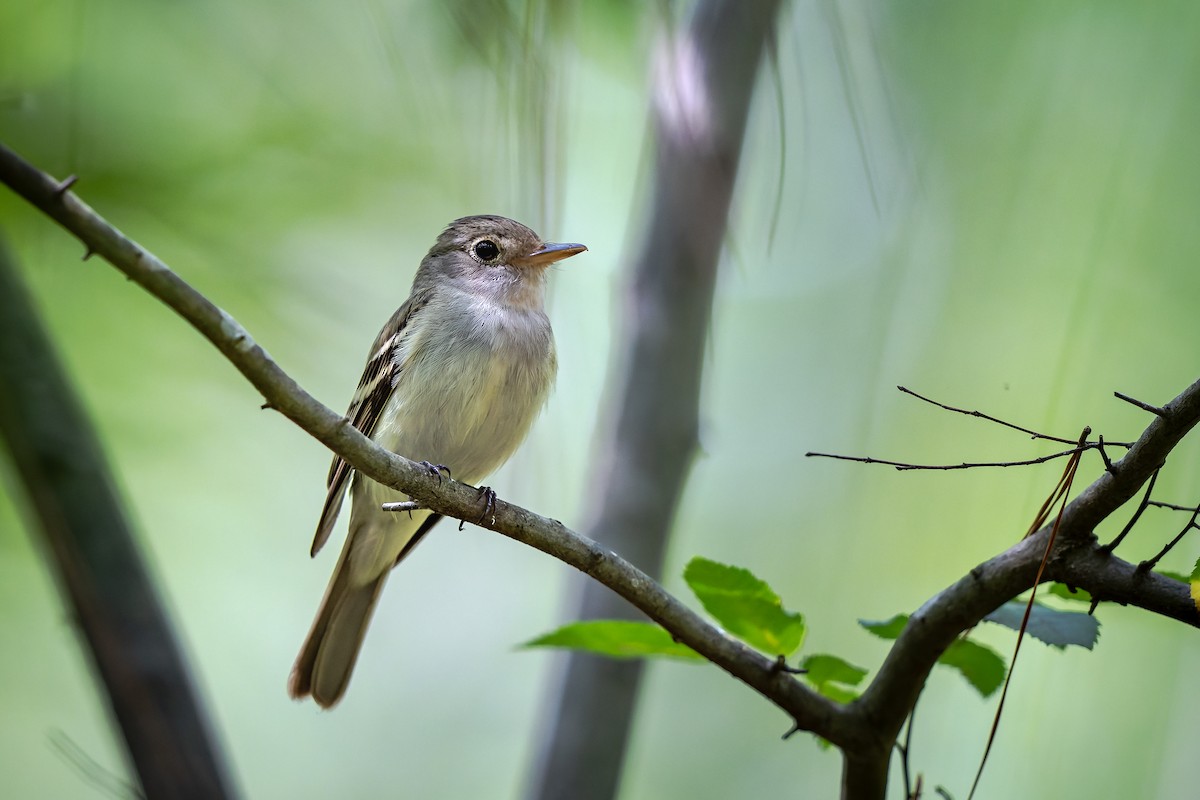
column 486, row 250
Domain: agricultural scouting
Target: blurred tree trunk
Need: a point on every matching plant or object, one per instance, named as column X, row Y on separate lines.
column 702, row 90
column 88, row 542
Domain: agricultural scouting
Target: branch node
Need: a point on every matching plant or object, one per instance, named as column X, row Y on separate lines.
column 1155, row 410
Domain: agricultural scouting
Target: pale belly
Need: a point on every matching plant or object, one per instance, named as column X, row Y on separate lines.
column 465, row 400
column 472, row 416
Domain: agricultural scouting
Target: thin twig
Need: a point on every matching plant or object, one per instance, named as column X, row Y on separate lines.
column 1146, row 566
column 1172, row 506
column 980, row 415
column 905, row 749
column 1108, row 465
column 903, row 466
column 1137, row 514
column 1155, row 410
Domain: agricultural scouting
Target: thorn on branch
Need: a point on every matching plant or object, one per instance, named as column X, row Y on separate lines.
column 65, row 184
column 781, row 665
column 792, row 731
column 88, row 252
column 266, row 406
column 1155, row 410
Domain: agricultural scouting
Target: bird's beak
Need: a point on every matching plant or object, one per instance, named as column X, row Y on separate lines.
column 547, row 254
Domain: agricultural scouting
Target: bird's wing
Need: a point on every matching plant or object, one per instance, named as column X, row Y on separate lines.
column 378, row 380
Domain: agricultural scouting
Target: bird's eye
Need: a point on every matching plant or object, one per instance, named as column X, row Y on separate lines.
column 487, row 250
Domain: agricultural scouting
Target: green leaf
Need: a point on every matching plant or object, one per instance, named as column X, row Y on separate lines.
column 1194, row 582
column 887, row 629
column 745, row 606
column 981, row 666
column 1049, row 625
column 616, row 639
column 833, row 676
column 1061, row 590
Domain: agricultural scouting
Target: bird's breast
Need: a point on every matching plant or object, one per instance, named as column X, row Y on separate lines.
column 469, row 388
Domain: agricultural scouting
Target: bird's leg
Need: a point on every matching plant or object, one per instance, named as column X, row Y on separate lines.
column 489, row 505
column 435, row 470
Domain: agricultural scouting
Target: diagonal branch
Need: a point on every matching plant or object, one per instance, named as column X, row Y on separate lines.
column 865, row 729
column 448, row 497
column 1077, row 561
column 90, row 547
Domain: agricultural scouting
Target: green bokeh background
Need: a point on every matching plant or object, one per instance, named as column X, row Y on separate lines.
column 993, row 203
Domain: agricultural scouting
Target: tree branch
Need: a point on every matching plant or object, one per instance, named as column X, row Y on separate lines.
column 444, row 496
column 91, row 550
column 1077, row 560
column 702, row 87
column 865, row 729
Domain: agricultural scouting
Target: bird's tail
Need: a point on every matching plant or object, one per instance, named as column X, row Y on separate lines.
column 328, row 654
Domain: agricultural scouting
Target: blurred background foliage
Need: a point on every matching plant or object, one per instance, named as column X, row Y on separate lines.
column 992, row 203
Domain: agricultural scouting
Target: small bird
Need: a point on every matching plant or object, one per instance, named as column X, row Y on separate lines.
column 454, row 380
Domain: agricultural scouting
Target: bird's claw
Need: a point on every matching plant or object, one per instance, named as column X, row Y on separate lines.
column 489, row 506
column 435, row 470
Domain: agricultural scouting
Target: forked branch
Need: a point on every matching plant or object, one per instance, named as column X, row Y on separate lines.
column 865, row 729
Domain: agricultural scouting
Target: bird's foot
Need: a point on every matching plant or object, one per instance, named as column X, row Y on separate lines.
column 489, row 506
column 435, row 470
